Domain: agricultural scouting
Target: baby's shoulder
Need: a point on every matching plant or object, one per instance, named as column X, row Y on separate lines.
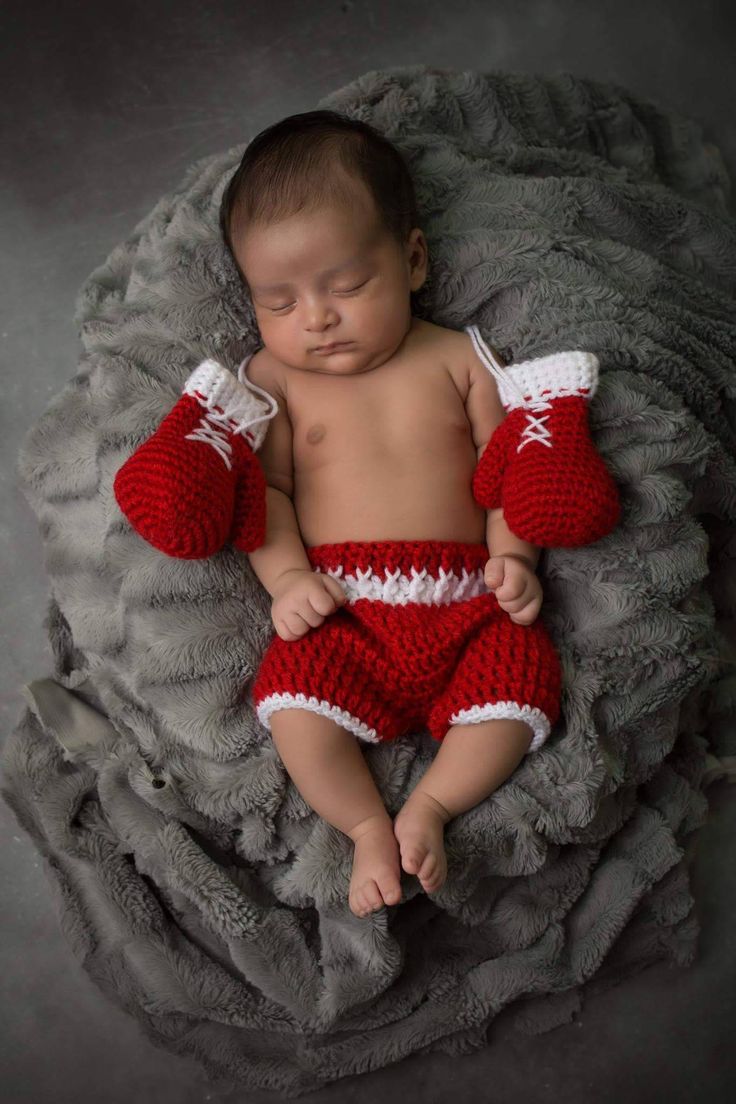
column 438, row 339
column 265, row 371
column 455, row 348
column 457, row 342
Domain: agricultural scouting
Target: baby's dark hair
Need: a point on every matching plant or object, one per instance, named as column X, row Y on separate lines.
column 290, row 166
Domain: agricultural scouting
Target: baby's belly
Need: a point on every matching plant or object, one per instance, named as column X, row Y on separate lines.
column 427, row 498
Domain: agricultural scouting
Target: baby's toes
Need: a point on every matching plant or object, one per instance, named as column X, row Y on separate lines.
column 357, row 904
column 413, row 855
column 432, row 873
column 429, row 863
column 428, row 868
column 390, row 887
column 365, row 899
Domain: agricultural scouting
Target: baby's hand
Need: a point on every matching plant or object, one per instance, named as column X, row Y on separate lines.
column 518, row 590
column 301, row 601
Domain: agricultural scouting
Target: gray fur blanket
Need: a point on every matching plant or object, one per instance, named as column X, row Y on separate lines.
column 193, row 883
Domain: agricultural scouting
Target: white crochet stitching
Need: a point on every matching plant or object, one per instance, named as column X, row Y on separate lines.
column 510, row 710
column 543, row 435
column 274, row 702
column 577, row 366
column 535, row 718
column 398, row 589
column 230, row 405
column 209, row 433
column 269, row 399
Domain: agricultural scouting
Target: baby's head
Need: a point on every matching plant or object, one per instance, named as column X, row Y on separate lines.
column 321, row 220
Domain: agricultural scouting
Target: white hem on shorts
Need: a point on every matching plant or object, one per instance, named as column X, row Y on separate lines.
column 535, row 718
column 273, row 702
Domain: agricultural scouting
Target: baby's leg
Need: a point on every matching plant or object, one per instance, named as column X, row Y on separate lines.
column 472, row 761
column 327, row 766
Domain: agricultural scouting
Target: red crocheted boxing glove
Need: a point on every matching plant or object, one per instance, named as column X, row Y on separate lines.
column 248, row 530
column 555, row 489
column 489, row 471
column 178, row 488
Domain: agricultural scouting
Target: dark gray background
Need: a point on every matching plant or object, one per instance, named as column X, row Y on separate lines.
column 103, row 108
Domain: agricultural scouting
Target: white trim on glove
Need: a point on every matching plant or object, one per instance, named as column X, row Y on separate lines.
column 233, row 403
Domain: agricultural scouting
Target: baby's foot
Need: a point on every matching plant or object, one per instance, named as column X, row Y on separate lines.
column 375, row 880
column 420, row 829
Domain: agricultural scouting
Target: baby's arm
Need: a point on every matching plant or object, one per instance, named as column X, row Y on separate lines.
column 485, row 413
column 283, row 548
column 302, row 598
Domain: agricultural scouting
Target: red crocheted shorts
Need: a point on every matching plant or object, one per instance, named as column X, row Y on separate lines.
column 421, row 641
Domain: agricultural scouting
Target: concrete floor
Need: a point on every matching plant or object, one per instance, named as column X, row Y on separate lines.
column 103, row 109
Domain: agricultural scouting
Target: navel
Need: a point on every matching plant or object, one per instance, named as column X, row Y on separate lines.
column 316, row 433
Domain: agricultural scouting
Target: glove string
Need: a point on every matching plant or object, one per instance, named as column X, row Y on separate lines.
column 212, row 435
column 273, row 406
column 528, row 435
column 217, row 425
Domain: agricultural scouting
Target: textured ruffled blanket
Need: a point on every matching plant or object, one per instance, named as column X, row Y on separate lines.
column 194, row 884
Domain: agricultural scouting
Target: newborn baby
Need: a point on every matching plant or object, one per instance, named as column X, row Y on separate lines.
column 397, row 601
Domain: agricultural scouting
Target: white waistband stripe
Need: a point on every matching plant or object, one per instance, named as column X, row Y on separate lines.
column 397, row 589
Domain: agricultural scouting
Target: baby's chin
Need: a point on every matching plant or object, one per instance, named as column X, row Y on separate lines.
column 347, row 370
column 338, row 364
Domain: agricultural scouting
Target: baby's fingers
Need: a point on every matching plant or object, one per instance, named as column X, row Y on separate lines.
column 336, row 590
column 529, row 612
column 522, row 592
column 514, row 590
column 323, row 600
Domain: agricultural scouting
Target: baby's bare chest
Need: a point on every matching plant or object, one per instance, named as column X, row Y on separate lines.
column 382, row 416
